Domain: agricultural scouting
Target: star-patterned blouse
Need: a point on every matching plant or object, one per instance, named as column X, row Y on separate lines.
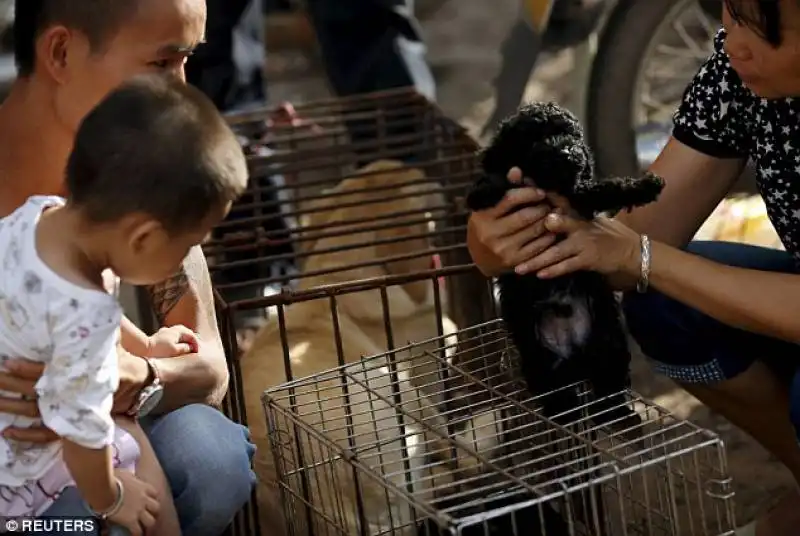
column 720, row 117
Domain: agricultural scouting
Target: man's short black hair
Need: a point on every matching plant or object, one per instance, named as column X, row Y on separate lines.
column 156, row 146
column 96, row 19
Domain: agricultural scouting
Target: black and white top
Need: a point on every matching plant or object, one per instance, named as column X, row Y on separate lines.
column 720, row 117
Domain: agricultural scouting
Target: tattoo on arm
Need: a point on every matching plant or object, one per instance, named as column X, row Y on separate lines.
column 194, row 273
column 164, row 295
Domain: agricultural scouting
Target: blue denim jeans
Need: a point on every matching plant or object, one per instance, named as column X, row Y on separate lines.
column 206, row 458
column 691, row 347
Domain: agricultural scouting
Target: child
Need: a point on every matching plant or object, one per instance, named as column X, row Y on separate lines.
column 153, row 169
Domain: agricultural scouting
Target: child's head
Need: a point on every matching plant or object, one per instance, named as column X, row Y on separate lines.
column 154, row 168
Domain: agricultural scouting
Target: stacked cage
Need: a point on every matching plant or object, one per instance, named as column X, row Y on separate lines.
column 468, row 453
column 367, row 360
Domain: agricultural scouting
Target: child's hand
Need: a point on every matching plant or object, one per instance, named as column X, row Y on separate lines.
column 140, row 505
column 172, row 342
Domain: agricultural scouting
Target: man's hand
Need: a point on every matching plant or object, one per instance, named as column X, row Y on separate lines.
column 133, row 376
column 21, row 377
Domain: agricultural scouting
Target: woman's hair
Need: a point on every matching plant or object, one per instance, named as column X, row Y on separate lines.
column 159, row 147
column 762, row 16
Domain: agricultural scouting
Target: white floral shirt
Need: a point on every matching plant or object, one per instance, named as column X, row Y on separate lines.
column 73, row 330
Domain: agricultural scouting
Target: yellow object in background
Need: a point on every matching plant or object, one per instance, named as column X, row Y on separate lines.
column 743, row 220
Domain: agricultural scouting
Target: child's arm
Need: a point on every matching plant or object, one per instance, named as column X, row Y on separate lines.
column 167, row 342
column 76, row 390
column 133, row 339
column 93, row 472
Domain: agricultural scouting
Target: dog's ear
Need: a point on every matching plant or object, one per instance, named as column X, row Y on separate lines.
column 613, row 194
column 487, row 192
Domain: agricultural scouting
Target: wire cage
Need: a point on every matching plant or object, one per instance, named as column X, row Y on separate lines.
column 359, row 188
column 360, row 449
column 349, row 241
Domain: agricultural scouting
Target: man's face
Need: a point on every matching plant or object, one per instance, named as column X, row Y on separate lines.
column 158, row 38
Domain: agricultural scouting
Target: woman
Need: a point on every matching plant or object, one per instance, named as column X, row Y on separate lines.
column 720, row 319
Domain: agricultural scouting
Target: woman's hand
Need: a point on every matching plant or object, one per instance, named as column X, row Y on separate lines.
column 21, row 377
column 602, row 245
column 506, row 235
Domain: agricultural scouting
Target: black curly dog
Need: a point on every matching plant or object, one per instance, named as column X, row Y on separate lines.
column 567, row 329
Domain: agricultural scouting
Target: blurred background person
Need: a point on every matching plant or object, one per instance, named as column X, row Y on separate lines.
column 229, row 67
column 371, row 45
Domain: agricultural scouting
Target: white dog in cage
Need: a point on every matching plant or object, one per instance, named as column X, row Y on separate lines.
column 370, row 414
column 402, row 237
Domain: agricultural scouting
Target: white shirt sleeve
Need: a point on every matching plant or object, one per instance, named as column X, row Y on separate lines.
column 77, row 388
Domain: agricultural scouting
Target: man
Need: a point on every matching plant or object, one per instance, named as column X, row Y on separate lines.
column 69, row 55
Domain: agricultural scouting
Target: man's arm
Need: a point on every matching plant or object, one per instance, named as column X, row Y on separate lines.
column 188, row 299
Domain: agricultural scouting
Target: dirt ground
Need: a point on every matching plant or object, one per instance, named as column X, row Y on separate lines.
column 463, row 40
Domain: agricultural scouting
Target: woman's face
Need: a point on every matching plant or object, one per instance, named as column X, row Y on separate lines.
column 159, row 37
column 769, row 71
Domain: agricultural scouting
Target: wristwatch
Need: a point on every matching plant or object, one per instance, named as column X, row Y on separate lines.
column 150, row 395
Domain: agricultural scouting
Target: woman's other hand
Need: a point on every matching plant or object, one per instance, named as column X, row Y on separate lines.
column 603, row 245
column 505, row 236
column 20, row 377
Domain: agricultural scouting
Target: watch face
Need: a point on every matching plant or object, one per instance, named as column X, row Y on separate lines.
column 152, row 398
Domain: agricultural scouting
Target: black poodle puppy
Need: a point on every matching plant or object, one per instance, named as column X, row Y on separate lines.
column 567, row 329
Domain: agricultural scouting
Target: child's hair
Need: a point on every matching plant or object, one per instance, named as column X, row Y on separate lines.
column 158, row 146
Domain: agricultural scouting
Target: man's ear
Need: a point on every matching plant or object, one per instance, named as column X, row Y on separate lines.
column 54, row 48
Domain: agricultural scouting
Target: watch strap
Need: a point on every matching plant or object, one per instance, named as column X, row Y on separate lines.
column 153, row 380
column 153, row 372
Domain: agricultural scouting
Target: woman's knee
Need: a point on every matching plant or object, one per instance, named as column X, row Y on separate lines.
column 655, row 322
column 206, row 458
column 682, row 343
column 687, row 345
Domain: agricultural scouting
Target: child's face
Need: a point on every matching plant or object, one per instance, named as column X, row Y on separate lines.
column 148, row 255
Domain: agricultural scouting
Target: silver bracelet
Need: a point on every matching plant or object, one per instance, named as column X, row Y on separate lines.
column 644, row 273
column 114, row 508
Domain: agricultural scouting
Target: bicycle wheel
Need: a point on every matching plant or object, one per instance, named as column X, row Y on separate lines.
column 647, row 55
